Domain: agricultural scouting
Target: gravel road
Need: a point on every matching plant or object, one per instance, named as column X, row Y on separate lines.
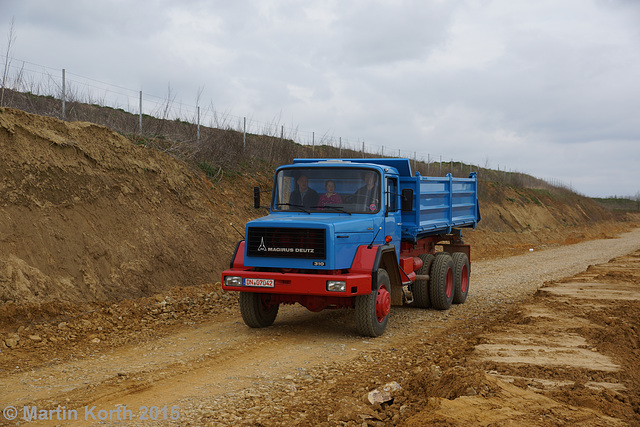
column 510, row 279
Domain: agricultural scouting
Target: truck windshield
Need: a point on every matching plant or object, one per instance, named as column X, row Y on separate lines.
column 339, row 190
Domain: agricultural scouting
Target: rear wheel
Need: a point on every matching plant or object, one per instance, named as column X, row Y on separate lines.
column 441, row 283
column 461, row 273
column 256, row 309
column 420, row 288
column 372, row 310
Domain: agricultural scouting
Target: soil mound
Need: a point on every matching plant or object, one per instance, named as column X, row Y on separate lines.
column 86, row 215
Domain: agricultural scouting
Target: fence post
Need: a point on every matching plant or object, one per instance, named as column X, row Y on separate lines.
column 340, row 152
column 244, row 133
column 198, row 128
column 64, row 95
column 313, row 144
column 140, row 116
column 363, row 149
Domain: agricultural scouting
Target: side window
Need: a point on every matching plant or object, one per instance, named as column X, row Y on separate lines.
column 391, row 194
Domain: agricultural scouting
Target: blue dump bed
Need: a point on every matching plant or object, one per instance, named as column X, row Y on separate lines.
column 439, row 205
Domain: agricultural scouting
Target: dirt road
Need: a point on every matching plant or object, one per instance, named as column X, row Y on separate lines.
column 188, row 359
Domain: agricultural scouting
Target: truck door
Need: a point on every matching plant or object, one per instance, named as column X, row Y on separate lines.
column 393, row 217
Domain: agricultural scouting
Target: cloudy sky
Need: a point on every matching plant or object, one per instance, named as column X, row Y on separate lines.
column 546, row 87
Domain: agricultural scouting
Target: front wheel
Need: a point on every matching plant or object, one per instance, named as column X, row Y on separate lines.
column 372, row 310
column 257, row 310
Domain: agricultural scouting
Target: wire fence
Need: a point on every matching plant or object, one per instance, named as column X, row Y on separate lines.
column 36, row 79
column 59, row 93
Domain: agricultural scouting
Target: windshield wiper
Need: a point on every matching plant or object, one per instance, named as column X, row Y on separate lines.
column 295, row 206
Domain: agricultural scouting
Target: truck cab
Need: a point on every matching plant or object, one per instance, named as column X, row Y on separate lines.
column 320, row 213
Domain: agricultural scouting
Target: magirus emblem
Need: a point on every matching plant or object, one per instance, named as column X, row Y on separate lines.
column 262, row 246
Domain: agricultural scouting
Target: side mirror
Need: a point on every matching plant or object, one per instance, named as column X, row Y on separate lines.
column 256, row 197
column 407, row 200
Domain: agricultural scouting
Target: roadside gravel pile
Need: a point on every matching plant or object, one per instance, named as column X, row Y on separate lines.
column 67, row 329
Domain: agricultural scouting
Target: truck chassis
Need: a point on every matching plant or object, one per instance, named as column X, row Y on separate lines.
column 422, row 277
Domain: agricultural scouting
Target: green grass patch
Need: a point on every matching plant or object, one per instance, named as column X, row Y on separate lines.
column 208, row 169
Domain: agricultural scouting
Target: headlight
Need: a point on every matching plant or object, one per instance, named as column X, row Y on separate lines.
column 233, row 281
column 336, row 285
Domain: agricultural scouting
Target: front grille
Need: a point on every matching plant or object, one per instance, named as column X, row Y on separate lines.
column 286, row 242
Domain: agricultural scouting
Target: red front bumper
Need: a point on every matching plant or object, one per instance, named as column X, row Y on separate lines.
column 299, row 284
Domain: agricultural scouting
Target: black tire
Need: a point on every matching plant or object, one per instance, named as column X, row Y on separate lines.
column 372, row 310
column 461, row 274
column 420, row 288
column 441, row 283
column 256, row 310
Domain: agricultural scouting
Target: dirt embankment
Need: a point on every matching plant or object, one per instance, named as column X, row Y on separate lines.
column 85, row 215
column 515, row 220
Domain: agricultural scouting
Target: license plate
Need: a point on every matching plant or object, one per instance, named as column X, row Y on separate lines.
column 259, row 283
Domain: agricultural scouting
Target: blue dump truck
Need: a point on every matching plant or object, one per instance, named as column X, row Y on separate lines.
column 355, row 233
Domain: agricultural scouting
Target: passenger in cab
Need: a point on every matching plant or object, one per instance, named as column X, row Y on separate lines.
column 330, row 197
column 304, row 195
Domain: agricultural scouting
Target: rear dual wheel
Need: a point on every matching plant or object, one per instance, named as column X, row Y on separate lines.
column 449, row 281
column 441, row 288
column 461, row 273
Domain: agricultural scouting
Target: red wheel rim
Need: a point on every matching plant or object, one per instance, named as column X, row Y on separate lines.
column 449, row 284
column 464, row 280
column 265, row 302
column 383, row 303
